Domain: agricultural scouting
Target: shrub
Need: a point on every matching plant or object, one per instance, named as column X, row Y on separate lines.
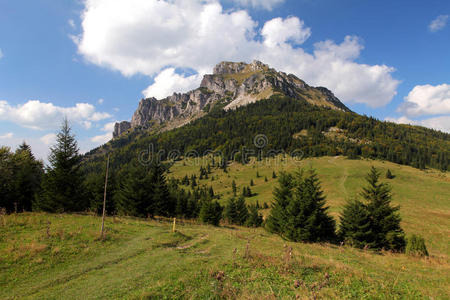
column 415, row 245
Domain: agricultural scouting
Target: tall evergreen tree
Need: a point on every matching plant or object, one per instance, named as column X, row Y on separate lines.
column 134, row 196
column 242, row 211
column 62, row 184
column 307, row 214
column 230, row 212
column 385, row 220
column 95, row 188
column 21, row 176
column 355, row 228
column 7, row 183
column 163, row 204
column 210, row 212
column 276, row 221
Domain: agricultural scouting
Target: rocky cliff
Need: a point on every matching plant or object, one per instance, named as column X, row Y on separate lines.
column 231, row 85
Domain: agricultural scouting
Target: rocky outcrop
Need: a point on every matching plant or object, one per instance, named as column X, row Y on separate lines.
column 121, row 127
column 231, row 85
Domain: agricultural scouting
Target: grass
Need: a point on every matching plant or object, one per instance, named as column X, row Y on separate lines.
column 54, row 256
column 143, row 259
column 422, row 195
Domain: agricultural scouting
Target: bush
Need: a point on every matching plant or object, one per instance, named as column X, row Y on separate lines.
column 415, row 246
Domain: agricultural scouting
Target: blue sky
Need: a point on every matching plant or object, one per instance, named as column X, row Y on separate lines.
column 94, row 60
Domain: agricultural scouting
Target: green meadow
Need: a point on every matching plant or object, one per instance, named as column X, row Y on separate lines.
column 54, row 256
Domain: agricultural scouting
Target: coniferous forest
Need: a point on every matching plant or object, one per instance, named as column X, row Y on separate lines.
column 281, row 119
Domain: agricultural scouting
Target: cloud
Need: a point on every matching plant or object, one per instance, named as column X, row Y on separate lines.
column 154, row 37
column 1, row 53
column 333, row 66
column 39, row 115
column 7, row 135
column 264, row 4
column 277, row 32
column 439, row 23
column 71, row 23
column 100, row 101
column 168, row 81
column 427, row 100
column 48, row 139
column 104, row 138
column 441, row 123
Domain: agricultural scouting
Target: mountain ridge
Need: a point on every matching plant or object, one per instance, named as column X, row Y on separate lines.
column 232, row 84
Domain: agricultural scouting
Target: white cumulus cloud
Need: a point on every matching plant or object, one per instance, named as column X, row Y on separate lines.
column 104, row 138
column 155, row 37
column 264, row 4
column 277, row 31
column 427, row 100
column 168, row 81
column 439, row 23
column 441, row 123
column 40, row 115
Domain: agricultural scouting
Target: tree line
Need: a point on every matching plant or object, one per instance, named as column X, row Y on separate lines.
column 298, row 212
column 280, row 119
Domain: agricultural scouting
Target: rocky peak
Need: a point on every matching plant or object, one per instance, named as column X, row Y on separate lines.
column 226, row 67
column 231, row 85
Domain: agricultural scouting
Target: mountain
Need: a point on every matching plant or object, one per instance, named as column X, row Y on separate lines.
column 240, row 101
column 232, row 84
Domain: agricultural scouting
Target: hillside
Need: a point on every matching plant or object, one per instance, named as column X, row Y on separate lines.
column 240, row 101
column 141, row 259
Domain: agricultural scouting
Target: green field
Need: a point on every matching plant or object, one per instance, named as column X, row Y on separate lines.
column 45, row 256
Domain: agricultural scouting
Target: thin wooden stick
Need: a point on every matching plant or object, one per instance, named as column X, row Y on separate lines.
column 104, row 198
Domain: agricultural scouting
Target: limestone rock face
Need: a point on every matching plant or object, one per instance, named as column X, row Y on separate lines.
column 231, row 85
column 121, row 127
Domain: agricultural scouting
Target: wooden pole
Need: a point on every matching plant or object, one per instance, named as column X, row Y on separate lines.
column 104, row 198
column 174, row 224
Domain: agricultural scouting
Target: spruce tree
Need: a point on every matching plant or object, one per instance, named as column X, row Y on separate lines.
column 389, row 174
column 385, row 220
column 254, row 219
column 210, row 212
column 27, row 177
column 277, row 219
column 231, row 212
column 307, row 218
column 134, row 196
column 163, row 204
column 355, row 228
column 6, row 182
column 95, row 188
column 62, row 184
column 242, row 211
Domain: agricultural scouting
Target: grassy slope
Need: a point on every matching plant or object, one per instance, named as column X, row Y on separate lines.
column 423, row 196
column 143, row 259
